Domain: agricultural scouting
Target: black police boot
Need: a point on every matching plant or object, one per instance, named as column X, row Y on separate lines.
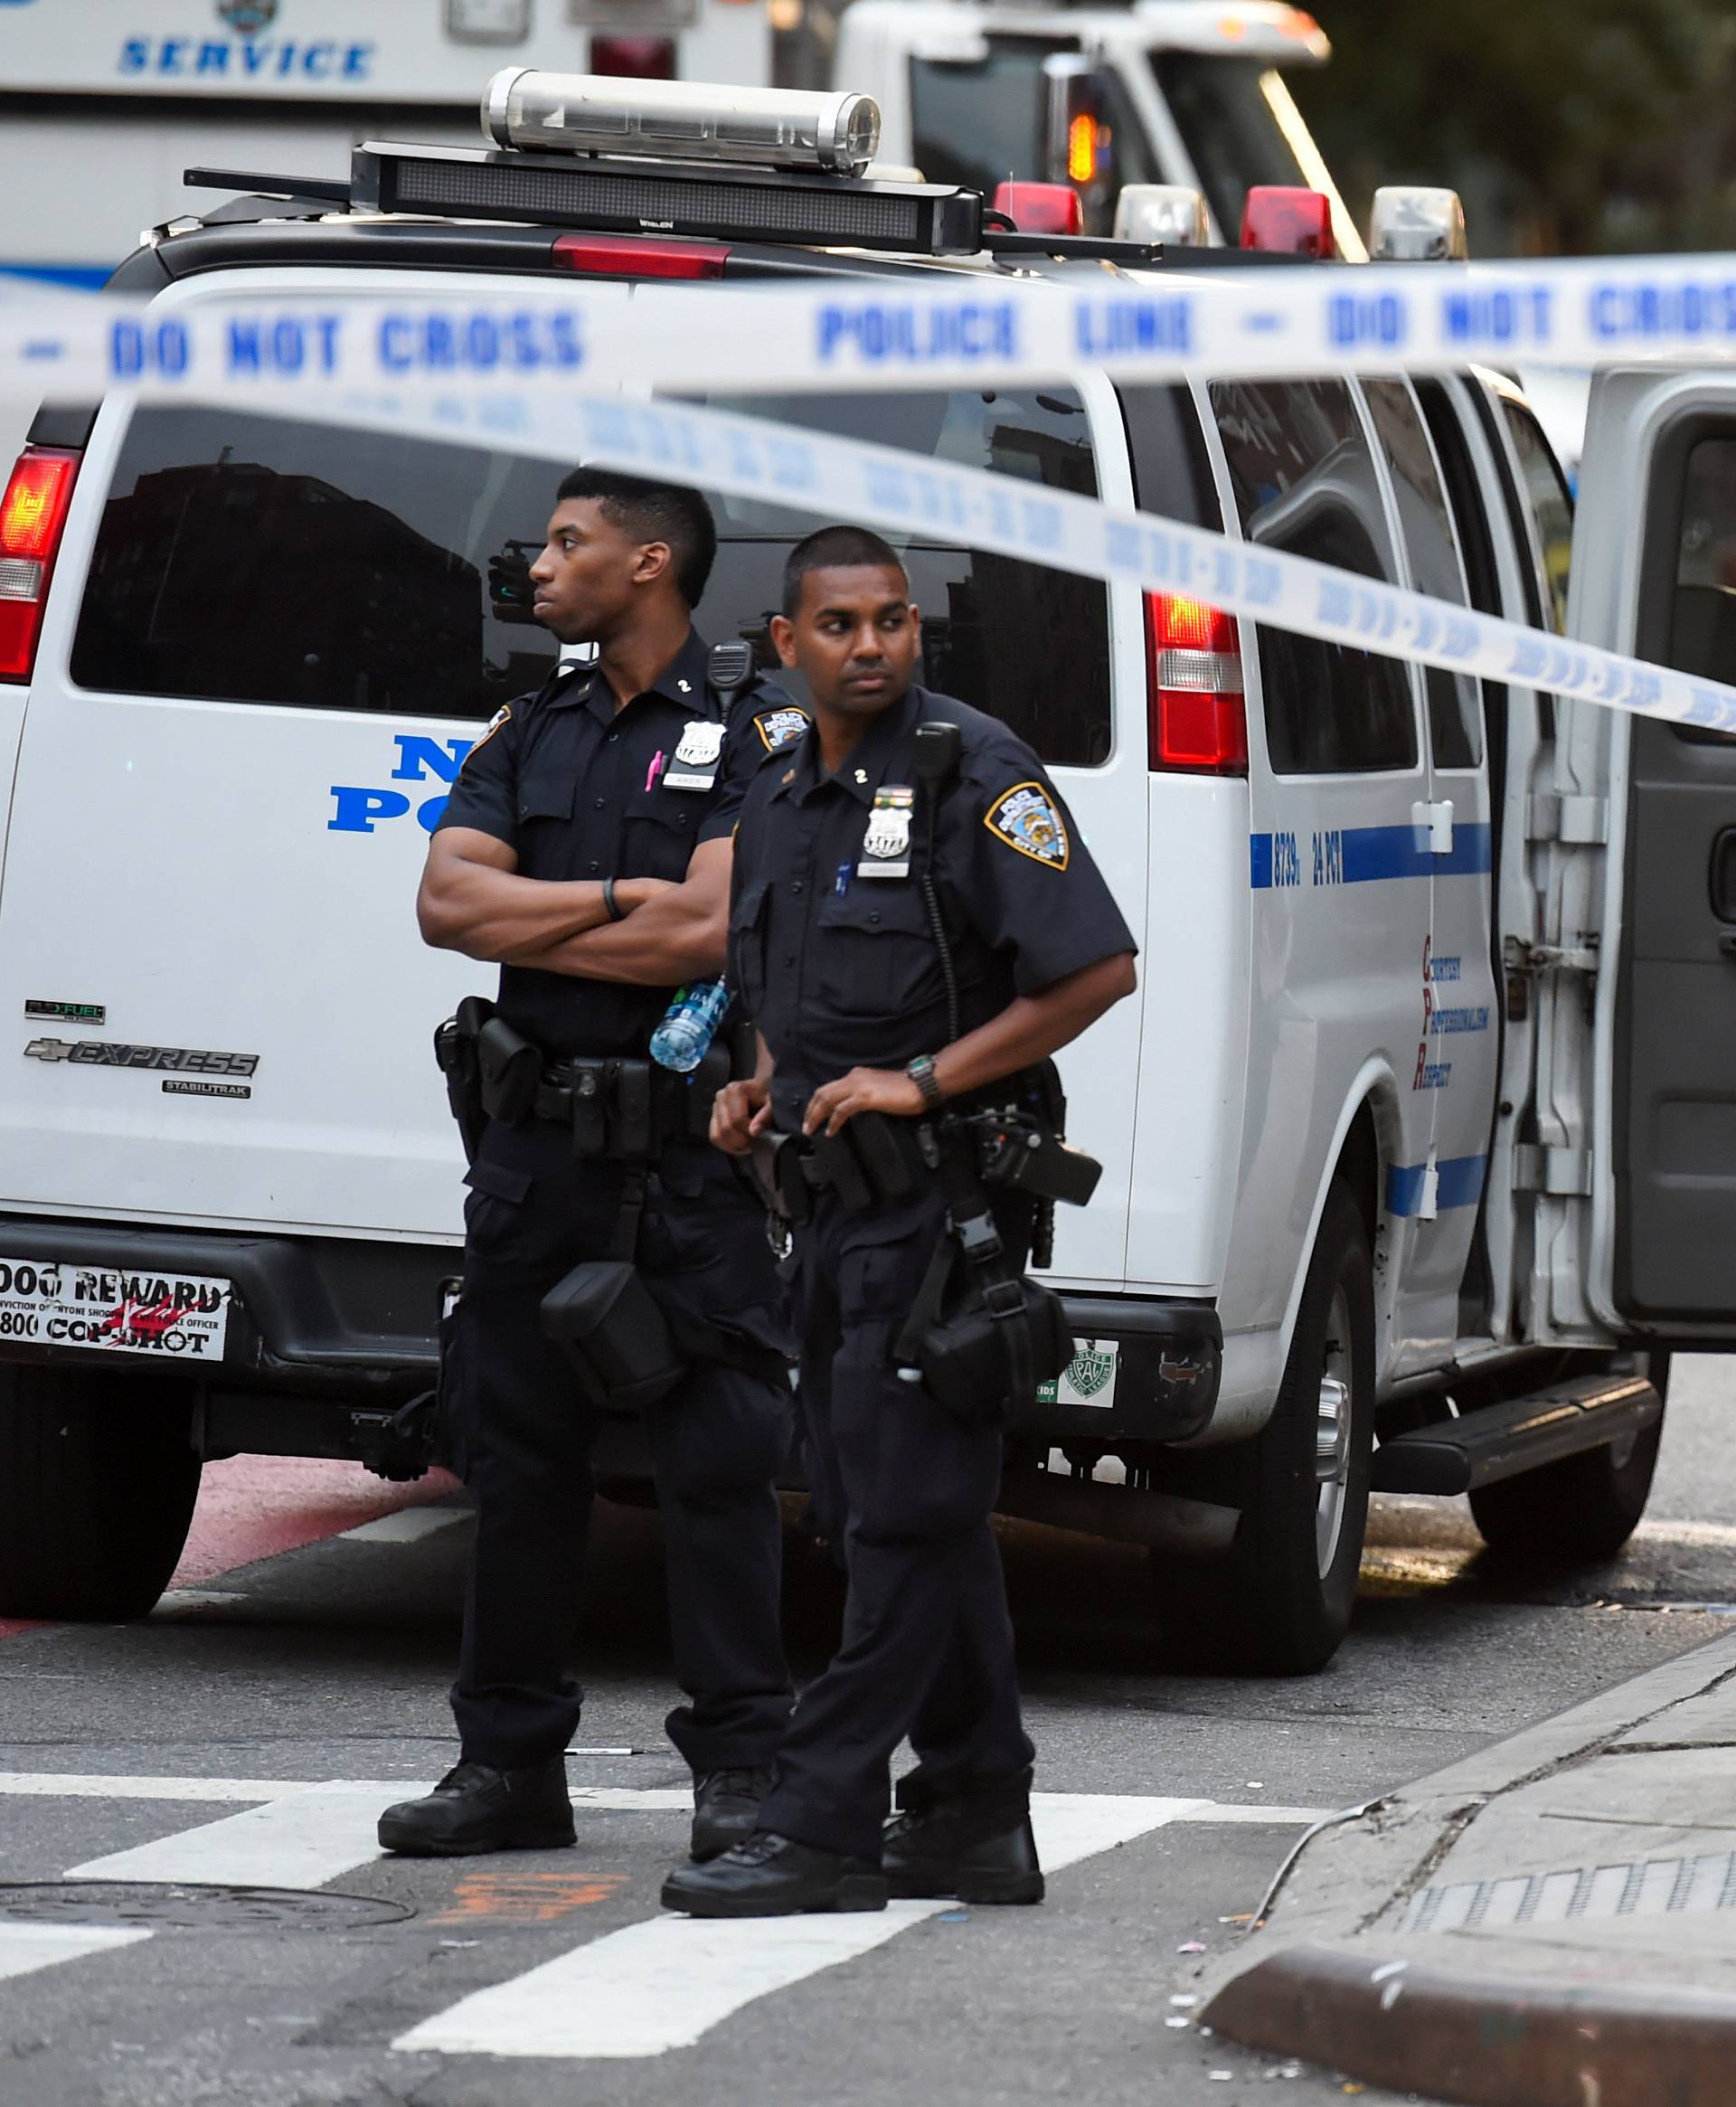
column 476, row 1808
column 968, row 1848
column 770, row 1876
column 726, row 1805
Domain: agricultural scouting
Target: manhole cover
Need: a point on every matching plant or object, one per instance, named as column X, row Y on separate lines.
column 193, row 1907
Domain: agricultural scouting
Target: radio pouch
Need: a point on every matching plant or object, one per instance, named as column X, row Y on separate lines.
column 610, row 1325
column 982, row 1335
column 510, row 1068
column 962, row 1336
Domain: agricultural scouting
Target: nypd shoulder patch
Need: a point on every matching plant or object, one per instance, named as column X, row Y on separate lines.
column 1027, row 818
column 779, row 728
column 504, row 716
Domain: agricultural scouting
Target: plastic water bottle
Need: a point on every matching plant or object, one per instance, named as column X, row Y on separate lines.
column 689, row 1024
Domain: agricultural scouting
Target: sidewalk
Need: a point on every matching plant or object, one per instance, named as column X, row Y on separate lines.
column 1549, row 1924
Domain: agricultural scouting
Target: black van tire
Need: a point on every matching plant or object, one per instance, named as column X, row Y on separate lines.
column 1582, row 1510
column 98, row 1479
column 1279, row 1604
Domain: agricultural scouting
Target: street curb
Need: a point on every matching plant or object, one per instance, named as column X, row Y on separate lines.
column 1485, row 2040
column 1322, row 1976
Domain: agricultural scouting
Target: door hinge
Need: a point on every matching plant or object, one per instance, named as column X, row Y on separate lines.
column 1581, row 822
column 1562, row 1173
column 1519, row 956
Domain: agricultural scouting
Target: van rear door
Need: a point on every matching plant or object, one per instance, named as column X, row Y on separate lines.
column 1654, row 574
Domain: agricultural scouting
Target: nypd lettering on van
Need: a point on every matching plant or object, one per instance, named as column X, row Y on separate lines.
column 359, row 808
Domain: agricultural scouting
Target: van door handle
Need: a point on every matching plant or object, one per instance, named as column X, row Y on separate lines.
column 1438, row 821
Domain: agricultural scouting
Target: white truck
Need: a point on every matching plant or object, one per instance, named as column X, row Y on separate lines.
column 101, row 116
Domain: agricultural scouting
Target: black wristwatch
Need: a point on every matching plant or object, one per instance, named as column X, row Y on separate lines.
column 921, row 1074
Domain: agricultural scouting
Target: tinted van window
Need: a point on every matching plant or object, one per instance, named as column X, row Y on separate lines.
column 1027, row 644
column 1305, row 482
column 250, row 559
column 259, row 560
column 1454, row 700
column 1552, row 508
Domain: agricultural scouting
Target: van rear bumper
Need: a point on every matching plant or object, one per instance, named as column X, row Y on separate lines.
column 1168, row 1368
column 352, row 1323
column 311, row 1317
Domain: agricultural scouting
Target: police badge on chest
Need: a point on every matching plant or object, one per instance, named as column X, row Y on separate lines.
column 695, row 766
column 886, row 846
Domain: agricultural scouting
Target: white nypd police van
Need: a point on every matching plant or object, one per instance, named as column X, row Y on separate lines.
column 1419, row 1142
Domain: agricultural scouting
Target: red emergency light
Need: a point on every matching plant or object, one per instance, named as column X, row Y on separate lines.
column 1041, row 208
column 634, row 58
column 1288, row 220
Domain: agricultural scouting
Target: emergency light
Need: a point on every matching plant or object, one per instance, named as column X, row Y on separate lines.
column 1170, row 213
column 681, row 120
column 1408, row 223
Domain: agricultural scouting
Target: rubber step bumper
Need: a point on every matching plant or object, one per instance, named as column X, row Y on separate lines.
column 1170, row 1358
column 1521, row 1434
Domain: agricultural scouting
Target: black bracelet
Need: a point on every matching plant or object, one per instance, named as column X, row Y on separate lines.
column 612, row 906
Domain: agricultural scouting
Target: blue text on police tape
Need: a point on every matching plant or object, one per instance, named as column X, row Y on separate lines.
column 880, row 333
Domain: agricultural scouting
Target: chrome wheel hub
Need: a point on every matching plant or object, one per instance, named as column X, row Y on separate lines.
column 1332, row 1429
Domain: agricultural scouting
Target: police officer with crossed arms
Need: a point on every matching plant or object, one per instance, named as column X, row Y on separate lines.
column 586, row 846
column 874, row 1025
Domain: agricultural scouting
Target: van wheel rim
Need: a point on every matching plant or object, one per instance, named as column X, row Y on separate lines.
column 1331, row 1435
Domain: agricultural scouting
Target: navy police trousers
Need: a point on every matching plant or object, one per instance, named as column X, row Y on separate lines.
column 907, row 1490
column 525, row 1433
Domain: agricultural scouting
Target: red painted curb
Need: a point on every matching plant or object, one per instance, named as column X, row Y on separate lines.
column 261, row 1506
column 1484, row 2041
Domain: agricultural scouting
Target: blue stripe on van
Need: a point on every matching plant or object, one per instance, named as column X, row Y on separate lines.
column 1459, row 1183
column 81, row 278
column 1373, row 853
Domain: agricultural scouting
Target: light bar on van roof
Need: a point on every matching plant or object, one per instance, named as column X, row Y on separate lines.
column 1413, row 223
column 681, row 120
column 637, row 197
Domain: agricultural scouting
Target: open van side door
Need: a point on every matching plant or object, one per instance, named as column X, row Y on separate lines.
column 1654, row 575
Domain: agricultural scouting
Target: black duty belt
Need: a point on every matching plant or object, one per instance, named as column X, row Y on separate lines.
column 879, row 1159
column 626, row 1107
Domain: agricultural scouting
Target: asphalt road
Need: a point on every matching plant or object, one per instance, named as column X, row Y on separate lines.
column 546, row 1978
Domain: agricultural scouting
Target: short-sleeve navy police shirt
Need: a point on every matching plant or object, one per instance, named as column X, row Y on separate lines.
column 834, row 958
column 579, row 788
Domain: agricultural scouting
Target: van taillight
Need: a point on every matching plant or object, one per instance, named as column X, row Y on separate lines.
column 31, row 515
column 1195, row 715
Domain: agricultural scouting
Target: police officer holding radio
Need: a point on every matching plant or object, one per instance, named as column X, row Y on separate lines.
column 613, row 1261
column 915, row 927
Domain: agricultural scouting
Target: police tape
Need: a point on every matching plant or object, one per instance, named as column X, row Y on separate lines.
column 920, row 498
column 940, row 329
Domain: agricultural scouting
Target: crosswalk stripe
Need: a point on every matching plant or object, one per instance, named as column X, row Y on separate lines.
column 313, row 1834
column 406, row 1526
column 101, row 1785
column 301, row 1840
column 666, row 1983
column 24, row 1948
